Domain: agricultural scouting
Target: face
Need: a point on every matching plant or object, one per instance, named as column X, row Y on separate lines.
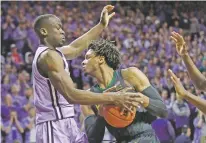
column 164, row 94
column 53, row 32
column 32, row 112
column 91, row 62
column 15, row 89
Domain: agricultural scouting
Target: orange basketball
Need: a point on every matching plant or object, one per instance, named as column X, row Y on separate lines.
column 112, row 114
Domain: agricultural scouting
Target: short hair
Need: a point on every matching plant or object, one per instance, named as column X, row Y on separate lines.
column 39, row 20
column 108, row 50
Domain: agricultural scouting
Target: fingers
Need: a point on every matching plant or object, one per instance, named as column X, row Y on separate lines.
column 177, row 36
column 173, row 38
column 111, row 15
column 109, row 8
column 127, row 107
column 126, row 89
column 113, row 88
column 172, row 75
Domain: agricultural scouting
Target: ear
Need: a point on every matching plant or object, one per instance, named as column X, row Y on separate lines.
column 43, row 32
column 101, row 59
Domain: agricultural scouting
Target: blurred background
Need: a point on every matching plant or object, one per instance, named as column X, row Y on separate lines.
column 140, row 30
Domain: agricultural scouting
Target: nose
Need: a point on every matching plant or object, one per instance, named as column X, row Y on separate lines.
column 83, row 63
column 62, row 32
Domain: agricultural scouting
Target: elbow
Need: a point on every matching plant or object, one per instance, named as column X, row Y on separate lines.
column 163, row 113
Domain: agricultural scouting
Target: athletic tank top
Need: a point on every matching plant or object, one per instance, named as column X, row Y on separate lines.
column 142, row 121
column 49, row 103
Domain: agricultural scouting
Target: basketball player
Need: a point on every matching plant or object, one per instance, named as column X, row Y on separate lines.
column 102, row 61
column 54, row 93
column 198, row 79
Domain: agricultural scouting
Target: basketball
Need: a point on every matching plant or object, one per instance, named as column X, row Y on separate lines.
column 114, row 115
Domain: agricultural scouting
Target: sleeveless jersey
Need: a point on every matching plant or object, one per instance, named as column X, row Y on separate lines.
column 142, row 121
column 49, row 103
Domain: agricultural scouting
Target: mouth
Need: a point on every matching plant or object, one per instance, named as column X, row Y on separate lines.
column 84, row 67
column 63, row 39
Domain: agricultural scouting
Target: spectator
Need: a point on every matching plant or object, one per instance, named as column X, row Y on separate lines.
column 164, row 130
column 182, row 113
column 200, row 128
column 185, row 136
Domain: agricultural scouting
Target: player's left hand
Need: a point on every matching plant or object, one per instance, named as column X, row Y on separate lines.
column 177, row 84
column 105, row 16
column 143, row 100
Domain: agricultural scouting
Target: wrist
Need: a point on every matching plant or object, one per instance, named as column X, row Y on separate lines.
column 185, row 55
column 111, row 98
column 185, row 95
column 100, row 25
column 146, row 102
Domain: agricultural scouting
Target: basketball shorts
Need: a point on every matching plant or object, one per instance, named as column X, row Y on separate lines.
column 60, row 131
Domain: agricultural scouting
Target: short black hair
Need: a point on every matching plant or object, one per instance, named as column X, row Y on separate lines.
column 107, row 49
column 39, row 20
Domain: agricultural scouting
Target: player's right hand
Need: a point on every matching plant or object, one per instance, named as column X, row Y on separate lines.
column 180, row 43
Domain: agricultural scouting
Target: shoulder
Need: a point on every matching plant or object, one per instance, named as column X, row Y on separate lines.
column 50, row 60
column 133, row 72
column 136, row 78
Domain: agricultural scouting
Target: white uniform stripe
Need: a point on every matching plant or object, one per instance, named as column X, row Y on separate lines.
column 50, row 133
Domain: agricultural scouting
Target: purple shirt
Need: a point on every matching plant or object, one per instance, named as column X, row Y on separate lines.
column 13, row 135
column 163, row 130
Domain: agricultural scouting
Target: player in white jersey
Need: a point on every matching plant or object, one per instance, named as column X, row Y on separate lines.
column 54, row 91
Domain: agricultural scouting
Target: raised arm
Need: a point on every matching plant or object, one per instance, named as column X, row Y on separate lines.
column 51, row 65
column 149, row 97
column 76, row 47
column 198, row 79
column 195, row 100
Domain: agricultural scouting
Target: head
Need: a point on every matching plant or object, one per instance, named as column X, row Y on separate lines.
column 15, row 89
column 8, row 100
column 28, row 92
column 48, row 27
column 101, row 53
column 32, row 112
column 13, row 48
column 165, row 94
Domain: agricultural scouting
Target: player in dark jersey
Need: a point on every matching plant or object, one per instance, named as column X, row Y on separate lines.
column 102, row 61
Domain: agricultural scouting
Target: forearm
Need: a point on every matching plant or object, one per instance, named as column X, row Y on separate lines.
column 19, row 127
column 196, row 101
column 198, row 79
column 76, row 47
column 64, row 85
column 156, row 105
column 89, row 98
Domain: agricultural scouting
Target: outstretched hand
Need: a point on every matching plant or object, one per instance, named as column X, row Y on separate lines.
column 180, row 43
column 177, row 84
column 105, row 16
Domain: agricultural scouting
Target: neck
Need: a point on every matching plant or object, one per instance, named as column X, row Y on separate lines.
column 46, row 43
column 104, row 76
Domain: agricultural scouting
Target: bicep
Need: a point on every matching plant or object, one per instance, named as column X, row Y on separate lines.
column 69, row 52
column 52, row 63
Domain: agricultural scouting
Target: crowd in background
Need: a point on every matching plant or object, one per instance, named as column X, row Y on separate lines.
column 140, row 30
